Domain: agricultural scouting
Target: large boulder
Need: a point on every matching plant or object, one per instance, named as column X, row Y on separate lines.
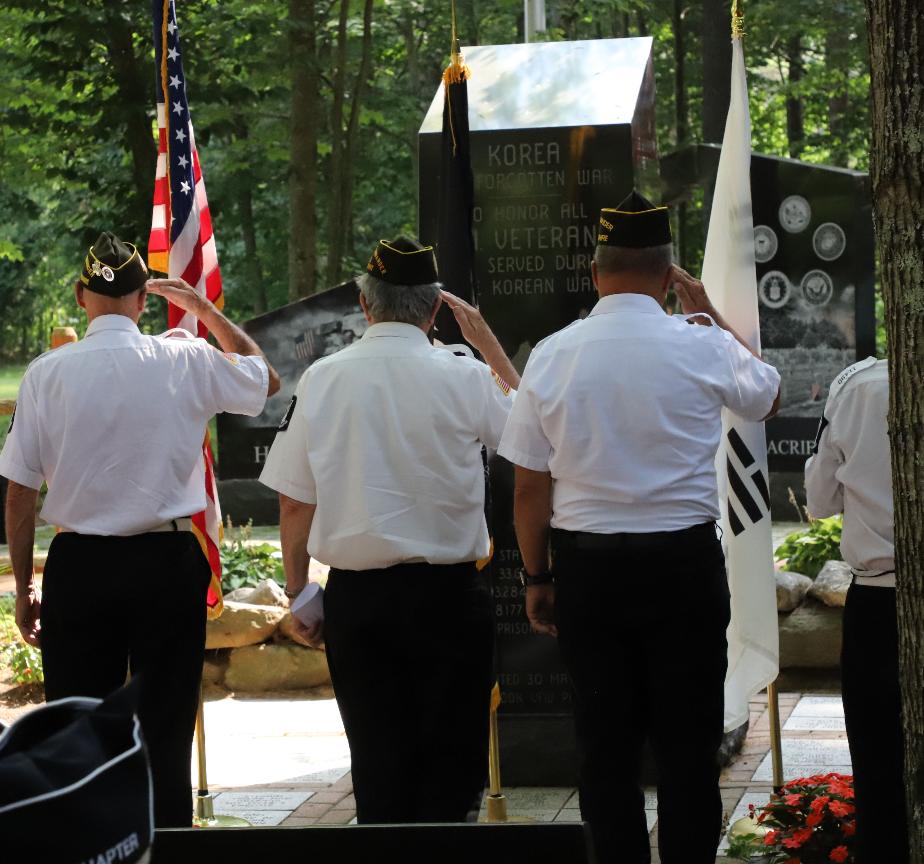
column 791, row 589
column 810, row 637
column 268, row 593
column 242, row 624
column 831, row 584
column 276, row 667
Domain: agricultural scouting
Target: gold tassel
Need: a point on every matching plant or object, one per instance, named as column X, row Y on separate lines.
column 737, row 22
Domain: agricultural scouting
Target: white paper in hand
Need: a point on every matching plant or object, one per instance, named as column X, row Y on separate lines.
column 308, row 607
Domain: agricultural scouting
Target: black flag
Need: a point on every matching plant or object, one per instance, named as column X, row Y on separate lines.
column 455, row 245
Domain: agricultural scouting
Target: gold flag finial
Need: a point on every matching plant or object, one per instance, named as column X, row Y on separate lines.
column 737, row 21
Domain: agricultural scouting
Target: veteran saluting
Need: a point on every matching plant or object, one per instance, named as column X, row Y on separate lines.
column 114, row 425
column 613, row 435
column 379, row 469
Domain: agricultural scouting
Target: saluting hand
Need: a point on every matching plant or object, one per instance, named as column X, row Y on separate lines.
column 691, row 293
column 180, row 293
column 474, row 328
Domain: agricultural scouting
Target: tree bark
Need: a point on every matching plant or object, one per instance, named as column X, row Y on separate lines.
column 795, row 124
column 837, row 61
column 412, row 53
column 252, row 269
column 716, row 36
column 468, row 22
column 133, row 81
column 352, row 131
column 336, row 164
column 681, row 113
column 303, row 178
column 896, row 43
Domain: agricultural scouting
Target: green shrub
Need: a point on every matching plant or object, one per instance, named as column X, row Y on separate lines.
column 808, row 550
column 246, row 565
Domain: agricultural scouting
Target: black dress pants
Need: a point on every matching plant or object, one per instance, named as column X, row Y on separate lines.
column 111, row 605
column 872, row 708
column 410, row 653
column 641, row 626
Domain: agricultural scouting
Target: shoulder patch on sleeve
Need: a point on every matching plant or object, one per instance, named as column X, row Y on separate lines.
column 288, row 415
column 838, row 383
column 500, row 382
column 822, row 425
column 233, row 358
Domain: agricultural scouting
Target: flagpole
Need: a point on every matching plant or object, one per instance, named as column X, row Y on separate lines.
column 205, row 809
column 773, row 702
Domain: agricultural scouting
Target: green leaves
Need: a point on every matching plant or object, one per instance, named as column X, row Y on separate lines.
column 808, row 551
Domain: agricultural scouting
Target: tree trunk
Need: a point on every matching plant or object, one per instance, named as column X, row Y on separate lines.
column 133, row 80
column 837, row 62
column 795, row 125
column 681, row 114
column 716, row 35
column 303, row 177
column 896, row 43
column 468, row 22
column 335, row 164
column 252, row 269
column 411, row 50
column 352, row 132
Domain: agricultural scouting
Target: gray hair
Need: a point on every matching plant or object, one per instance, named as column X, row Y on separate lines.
column 409, row 304
column 650, row 261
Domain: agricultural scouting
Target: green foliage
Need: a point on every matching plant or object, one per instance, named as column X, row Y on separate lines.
column 245, row 564
column 745, row 847
column 24, row 661
column 77, row 114
column 808, row 550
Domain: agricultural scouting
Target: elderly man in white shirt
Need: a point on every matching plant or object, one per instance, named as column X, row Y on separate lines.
column 114, row 425
column 614, row 435
column 378, row 463
column 851, row 473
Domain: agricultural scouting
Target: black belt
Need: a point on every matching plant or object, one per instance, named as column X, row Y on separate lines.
column 586, row 541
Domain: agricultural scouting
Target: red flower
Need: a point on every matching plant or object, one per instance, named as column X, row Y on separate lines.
column 819, row 804
column 793, row 799
column 813, row 820
column 839, row 854
column 793, row 861
column 798, row 838
column 841, row 808
column 840, row 789
column 848, row 828
column 770, row 838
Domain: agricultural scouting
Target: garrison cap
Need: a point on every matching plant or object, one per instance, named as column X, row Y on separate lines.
column 635, row 223
column 112, row 267
column 75, row 786
column 403, row 261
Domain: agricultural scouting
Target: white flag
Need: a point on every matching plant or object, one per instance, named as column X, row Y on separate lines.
column 741, row 463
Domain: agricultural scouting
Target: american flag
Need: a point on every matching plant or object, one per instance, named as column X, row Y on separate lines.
column 182, row 244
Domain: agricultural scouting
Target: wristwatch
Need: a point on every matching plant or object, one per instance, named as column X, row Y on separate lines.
column 526, row 580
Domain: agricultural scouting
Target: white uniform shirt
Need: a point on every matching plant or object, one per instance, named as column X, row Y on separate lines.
column 623, row 409
column 851, row 471
column 115, row 423
column 385, row 437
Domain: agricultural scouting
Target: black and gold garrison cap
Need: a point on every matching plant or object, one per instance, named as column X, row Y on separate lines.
column 635, row 223
column 112, row 267
column 403, row 261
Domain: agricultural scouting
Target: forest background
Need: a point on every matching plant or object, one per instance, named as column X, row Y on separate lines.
column 306, row 115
